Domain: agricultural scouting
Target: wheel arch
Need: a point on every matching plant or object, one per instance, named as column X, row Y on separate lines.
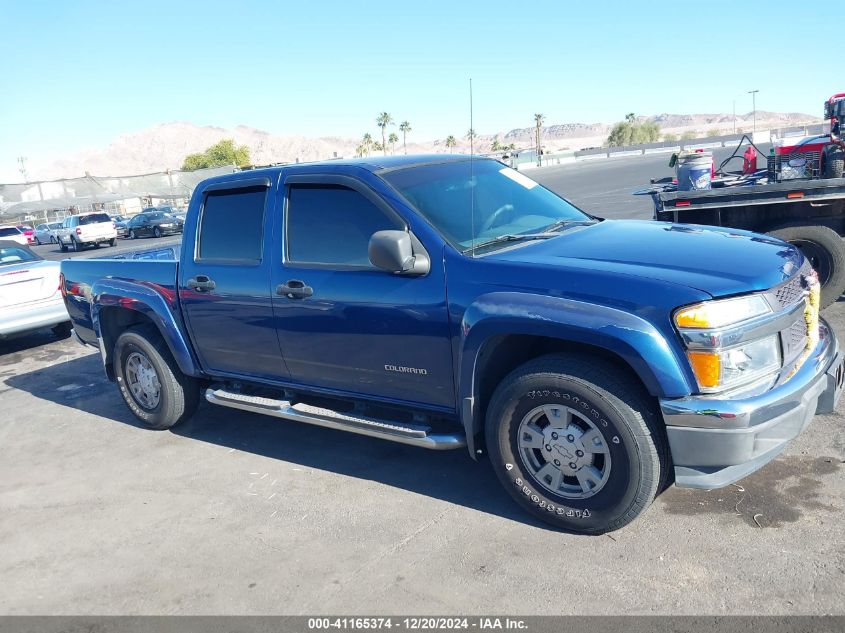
column 120, row 308
column 493, row 344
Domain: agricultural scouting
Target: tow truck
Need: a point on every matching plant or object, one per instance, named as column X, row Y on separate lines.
column 799, row 198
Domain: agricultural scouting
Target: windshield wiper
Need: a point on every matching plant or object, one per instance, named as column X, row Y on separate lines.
column 512, row 237
column 564, row 223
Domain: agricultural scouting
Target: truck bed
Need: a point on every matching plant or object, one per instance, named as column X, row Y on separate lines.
column 675, row 205
column 80, row 276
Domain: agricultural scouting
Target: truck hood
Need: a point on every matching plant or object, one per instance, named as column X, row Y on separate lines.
column 717, row 261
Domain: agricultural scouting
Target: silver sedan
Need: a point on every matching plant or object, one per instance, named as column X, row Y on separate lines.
column 30, row 297
column 46, row 233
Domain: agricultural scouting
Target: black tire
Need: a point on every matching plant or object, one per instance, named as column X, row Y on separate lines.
column 74, row 245
column 825, row 250
column 52, row 240
column 178, row 393
column 132, row 234
column 62, row 246
column 112, row 241
column 37, row 241
column 62, row 330
column 157, row 232
column 834, row 163
column 596, row 390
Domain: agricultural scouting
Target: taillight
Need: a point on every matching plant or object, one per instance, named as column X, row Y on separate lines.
column 78, row 231
column 62, row 284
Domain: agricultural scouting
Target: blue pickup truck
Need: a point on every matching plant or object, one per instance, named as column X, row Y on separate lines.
column 447, row 302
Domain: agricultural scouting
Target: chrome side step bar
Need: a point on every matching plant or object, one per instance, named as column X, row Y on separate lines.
column 413, row 434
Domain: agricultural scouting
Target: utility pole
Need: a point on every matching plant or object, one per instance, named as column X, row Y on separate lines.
column 753, row 94
column 22, row 160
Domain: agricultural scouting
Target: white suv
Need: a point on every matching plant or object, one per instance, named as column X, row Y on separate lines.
column 86, row 229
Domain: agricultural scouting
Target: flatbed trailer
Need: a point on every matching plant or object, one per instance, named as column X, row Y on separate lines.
column 807, row 213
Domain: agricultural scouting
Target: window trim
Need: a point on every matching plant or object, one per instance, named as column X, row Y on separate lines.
column 340, row 180
column 232, row 187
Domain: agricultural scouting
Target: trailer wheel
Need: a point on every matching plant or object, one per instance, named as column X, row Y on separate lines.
column 833, row 163
column 826, row 252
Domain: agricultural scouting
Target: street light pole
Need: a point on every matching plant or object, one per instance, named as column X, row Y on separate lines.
column 753, row 94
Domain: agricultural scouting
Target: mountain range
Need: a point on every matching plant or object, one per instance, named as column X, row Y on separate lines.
column 165, row 145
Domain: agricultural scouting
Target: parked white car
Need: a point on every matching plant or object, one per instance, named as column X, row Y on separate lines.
column 12, row 233
column 86, row 229
column 30, row 293
column 46, row 233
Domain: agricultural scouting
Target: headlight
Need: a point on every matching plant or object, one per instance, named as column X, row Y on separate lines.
column 716, row 314
column 722, row 369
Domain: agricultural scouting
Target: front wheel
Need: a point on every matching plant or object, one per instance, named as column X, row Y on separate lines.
column 826, row 251
column 132, row 235
column 37, row 241
column 150, row 381
column 576, row 442
column 157, row 232
column 112, row 241
column 62, row 246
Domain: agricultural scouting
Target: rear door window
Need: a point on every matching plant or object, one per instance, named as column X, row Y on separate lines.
column 232, row 225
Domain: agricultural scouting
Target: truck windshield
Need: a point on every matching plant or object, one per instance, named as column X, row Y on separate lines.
column 498, row 200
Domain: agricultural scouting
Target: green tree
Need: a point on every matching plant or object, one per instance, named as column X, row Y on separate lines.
column 670, row 137
column 223, row 153
column 539, row 119
column 689, row 135
column 495, row 146
column 367, row 141
column 713, row 133
column 629, row 132
column 451, row 142
column 377, row 147
column 393, row 139
column 383, row 120
column 360, row 150
column 404, row 127
column 470, row 135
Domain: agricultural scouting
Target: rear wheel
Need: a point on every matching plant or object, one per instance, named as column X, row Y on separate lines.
column 157, row 232
column 74, row 245
column 825, row 250
column 37, row 241
column 62, row 330
column 576, row 442
column 62, row 246
column 132, row 234
column 112, row 242
column 150, row 381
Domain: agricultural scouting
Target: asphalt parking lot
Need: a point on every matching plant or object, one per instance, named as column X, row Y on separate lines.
column 238, row 513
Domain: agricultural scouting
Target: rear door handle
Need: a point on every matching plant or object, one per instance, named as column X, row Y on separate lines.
column 201, row 283
column 294, row 289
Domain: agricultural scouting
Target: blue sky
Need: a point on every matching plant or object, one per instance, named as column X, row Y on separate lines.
column 77, row 74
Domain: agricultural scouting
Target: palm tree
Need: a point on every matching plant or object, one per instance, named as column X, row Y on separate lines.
column 367, row 141
column 495, row 146
column 383, row 120
column 451, row 142
column 393, row 139
column 538, row 122
column 377, row 146
column 630, row 117
column 404, row 127
column 470, row 134
column 360, row 150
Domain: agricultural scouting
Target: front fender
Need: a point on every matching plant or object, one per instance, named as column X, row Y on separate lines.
column 158, row 303
column 627, row 335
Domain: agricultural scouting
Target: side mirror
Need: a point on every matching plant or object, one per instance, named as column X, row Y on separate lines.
column 393, row 251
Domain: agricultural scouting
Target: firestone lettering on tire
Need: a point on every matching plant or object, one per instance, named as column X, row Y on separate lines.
column 544, row 505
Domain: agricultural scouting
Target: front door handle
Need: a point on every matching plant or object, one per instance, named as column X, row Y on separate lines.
column 201, row 283
column 294, row 289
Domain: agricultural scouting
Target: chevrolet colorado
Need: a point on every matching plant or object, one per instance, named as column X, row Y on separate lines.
column 446, row 302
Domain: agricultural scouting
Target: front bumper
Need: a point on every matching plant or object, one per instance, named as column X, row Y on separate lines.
column 717, row 442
